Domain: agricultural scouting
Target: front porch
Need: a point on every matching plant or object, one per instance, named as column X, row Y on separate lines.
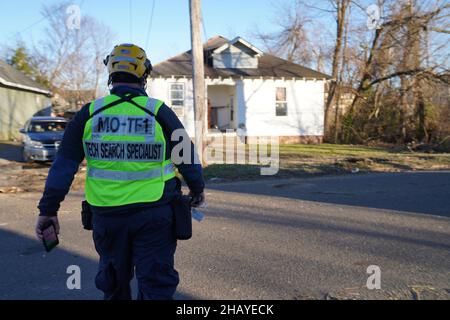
column 222, row 107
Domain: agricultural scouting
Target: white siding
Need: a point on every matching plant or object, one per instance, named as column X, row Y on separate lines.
column 234, row 60
column 240, row 102
column 305, row 110
column 255, row 99
column 235, row 57
column 159, row 88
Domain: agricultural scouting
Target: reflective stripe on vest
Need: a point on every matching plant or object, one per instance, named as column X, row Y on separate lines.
column 130, row 175
column 151, row 105
column 98, row 104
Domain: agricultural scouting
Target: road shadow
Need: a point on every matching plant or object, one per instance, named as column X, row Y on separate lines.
column 11, row 151
column 417, row 192
column 28, row 273
column 336, row 225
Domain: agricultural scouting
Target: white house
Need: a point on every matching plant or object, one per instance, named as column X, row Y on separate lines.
column 254, row 93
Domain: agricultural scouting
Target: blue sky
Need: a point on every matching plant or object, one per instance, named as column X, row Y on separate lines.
column 169, row 34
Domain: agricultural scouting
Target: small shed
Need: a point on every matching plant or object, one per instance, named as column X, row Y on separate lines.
column 20, row 99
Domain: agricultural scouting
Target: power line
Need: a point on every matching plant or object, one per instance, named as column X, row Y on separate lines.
column 204, row 27
column 39, row 21
column 33, row 24
column 150, row 25
column 44, row 18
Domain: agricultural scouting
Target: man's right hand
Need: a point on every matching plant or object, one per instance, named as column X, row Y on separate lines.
column 41, row 221
column 198, row 199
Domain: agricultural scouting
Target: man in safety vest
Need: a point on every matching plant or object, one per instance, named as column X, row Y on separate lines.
column 130, row 180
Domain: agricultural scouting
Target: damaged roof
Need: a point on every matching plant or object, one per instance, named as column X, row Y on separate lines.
column 268, row 66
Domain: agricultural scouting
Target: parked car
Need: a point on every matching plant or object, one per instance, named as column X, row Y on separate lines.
column 42, row 137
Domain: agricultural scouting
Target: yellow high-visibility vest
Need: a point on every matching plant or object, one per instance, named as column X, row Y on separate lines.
column 125, row 152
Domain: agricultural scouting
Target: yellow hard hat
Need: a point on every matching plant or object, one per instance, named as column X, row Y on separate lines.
column 128, row 58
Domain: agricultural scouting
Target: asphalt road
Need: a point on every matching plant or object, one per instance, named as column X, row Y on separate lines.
column 292, row 239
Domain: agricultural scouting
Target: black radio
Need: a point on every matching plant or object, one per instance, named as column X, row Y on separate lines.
column 181, row 207
column 86, row 215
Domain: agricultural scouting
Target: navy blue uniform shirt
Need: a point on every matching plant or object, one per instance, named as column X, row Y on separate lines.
column 71, row 154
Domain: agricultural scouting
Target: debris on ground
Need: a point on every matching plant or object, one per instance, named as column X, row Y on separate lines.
column 18, row 177
column 11, row 190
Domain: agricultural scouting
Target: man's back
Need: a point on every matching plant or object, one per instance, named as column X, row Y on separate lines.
column 73, row 153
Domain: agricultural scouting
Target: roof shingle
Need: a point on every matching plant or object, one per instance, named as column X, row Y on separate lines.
column 13, row 78
column 269, row 66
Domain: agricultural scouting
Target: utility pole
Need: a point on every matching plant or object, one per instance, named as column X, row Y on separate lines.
column 198, row 76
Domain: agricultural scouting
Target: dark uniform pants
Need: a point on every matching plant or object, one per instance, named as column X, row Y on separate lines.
column 143, row 241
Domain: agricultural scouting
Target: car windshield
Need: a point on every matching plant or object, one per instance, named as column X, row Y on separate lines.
column 47, row 126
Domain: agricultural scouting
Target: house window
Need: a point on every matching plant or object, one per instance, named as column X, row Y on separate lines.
column 177, row 98
column 281, row 102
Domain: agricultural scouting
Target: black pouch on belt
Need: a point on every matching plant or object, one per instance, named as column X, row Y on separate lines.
column 181, row 207
column 86, row 215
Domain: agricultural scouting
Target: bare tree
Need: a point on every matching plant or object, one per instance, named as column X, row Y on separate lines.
column 337, row 86
column 342, row 9
column 405, row 32
column 71, row 57
column 298, row 42
column 292, row 40
column 393, row 69
column 100, row 37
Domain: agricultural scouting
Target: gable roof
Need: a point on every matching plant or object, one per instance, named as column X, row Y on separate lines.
column 269, row 65
column 11, row 77
column 242, row 41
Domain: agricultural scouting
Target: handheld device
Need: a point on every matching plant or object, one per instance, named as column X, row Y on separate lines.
column 197, row 215
column 49, row 236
